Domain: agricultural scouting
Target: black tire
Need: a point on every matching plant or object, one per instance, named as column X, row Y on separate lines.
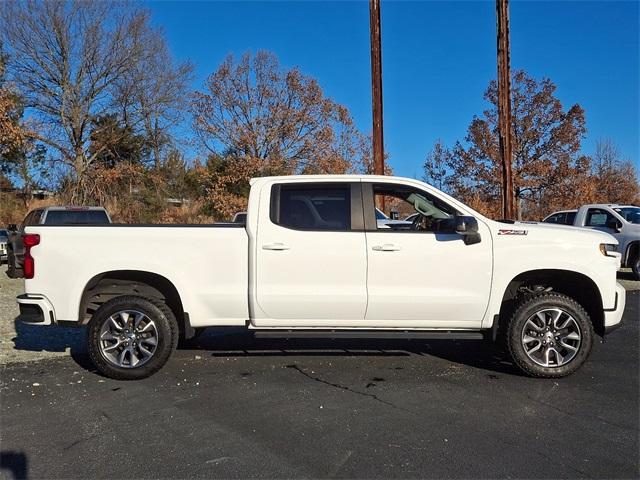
column 165, row 326
column 526, row 310
column 635, row 265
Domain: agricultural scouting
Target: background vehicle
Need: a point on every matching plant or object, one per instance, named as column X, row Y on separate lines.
column 48, row 216
column 563, row 217
column 240, row 217
column 312, row 261
column 621, row 221
column 4, row 238
column 385, row 222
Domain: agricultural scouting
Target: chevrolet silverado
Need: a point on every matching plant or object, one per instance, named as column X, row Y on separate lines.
column 312, row 261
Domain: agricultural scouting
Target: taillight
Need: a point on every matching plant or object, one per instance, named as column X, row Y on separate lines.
column 29, row 240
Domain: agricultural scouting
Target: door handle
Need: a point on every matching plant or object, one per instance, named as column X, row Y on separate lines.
column 387, row 247
column 275, row 246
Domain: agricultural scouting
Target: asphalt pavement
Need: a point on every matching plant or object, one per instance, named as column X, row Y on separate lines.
column 231, row 406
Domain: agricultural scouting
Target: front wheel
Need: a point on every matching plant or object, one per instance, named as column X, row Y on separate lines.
column 635, row 266
column 131, row 337
column 550, row 335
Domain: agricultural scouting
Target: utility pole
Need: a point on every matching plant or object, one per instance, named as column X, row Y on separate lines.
column 376, row 86
column 504, row 107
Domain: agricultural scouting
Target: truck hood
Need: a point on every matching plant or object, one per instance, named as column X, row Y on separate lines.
column 632, row 228
column 564, row 232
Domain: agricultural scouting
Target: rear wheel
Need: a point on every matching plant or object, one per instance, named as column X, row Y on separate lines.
column 131, row 337
column 550, row 335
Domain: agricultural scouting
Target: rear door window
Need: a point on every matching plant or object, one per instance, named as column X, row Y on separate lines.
column 556, row 218
column 313, row 207
column 571, row 216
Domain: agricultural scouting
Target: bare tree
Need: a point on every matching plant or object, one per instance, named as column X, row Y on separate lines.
column 66, row 59
column 152, row 94
column 254, row 109
column 546, row 150
column 615, row 178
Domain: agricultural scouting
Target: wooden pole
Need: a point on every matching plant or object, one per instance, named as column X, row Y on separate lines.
column 504, row 107
column 376, row 86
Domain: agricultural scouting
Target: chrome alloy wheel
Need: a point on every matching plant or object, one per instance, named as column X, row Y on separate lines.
column 551, row 337
column 128, row 339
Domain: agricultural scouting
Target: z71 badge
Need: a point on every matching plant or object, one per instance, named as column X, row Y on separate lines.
column 512, row 232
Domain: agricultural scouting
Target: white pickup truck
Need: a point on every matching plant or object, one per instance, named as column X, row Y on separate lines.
column 621, row 221
column 312, row 261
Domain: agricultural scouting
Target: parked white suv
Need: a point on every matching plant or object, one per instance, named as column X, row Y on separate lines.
column 312, row 261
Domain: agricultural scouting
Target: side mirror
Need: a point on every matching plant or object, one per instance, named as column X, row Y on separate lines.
column 467, row 226
column 12, row 227
column 614, row 224
column 394, row 215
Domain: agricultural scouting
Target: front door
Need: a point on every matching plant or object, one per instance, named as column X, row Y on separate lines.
column 420, row 272
column 603, row 220
column 311, row 265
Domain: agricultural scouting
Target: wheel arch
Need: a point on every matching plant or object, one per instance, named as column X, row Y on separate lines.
column 632, row 250
column 107, row 285
column 576, row 285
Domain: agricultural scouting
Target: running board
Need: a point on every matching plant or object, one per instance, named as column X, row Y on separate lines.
column 387, row 334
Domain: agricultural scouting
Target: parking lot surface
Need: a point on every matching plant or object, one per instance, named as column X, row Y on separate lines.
column 231, row 406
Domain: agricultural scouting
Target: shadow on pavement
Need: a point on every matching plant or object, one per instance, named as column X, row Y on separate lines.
column 477, row 354
column 234, row 342
column 15, row 463
column 39, row 338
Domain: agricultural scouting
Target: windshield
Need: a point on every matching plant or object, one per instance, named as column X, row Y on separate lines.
column 427, row 207
column 630, row 214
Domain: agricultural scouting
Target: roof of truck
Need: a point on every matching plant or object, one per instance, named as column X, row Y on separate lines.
column 610, row 205
column 71, row 208
column 342, row 177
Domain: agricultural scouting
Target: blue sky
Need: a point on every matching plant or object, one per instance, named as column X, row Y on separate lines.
column 438, row 57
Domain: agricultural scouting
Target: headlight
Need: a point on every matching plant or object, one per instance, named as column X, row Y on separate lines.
column 608, row 249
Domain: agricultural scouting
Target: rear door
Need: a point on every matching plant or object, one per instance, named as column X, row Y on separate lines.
column 311, row 265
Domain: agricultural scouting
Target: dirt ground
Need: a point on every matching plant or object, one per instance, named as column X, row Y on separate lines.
column 25, row 343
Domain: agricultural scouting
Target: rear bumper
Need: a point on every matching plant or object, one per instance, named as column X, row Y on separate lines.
column 35, row 310
column 613, row 316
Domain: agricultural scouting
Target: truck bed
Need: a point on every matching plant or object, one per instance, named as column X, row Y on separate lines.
column 207, row 264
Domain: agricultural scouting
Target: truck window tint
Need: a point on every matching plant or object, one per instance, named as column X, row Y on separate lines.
column 310, row 208
column 556, row 218
column 571, row 216
column 597, row 217
column 76, row 217
column 33, row 218
column 630, row 214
